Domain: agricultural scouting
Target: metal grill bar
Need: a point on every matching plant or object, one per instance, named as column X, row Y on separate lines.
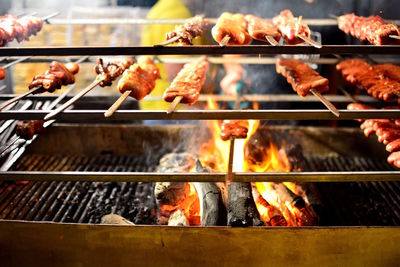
column 123, row 115
column 198, row 50
column 204, row 97
column 322, row 176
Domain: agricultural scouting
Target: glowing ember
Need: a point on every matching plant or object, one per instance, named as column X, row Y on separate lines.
column 190, row 205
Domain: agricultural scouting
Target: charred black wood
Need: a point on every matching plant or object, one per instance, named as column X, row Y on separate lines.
column 242, row 210
column 213, row 211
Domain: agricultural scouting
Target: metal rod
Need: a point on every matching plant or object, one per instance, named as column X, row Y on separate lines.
column 117, row 104
column 15, row 62
column 124, row 115
column 198, row 50
column 70, row 102
column 203, row 98
column 348, row 95
column 115, row 21
column 357, row 176
column 46, row 19
column 17, row 98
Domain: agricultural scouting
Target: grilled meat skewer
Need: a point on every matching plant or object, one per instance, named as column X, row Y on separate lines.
column 231, row 29
column 186, row 33
column 372, row 29
column 262, row 29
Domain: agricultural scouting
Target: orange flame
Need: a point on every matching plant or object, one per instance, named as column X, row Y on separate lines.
column 215, row 154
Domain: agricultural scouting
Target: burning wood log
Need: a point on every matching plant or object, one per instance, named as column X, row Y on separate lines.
column 304, row 216
column 212, row 209
column 268, row 213
column 178, row 218
column 242, row 210
column 115, row 219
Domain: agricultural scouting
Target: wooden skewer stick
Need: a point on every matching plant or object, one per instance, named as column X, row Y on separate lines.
column 229, row 174
column 170, row 41
column 17, row 98
column 225, row 40
column 394, row 37
column 309, row 41
column 174, row 103
column 70, row 102
column 271, row 40
column 117, row 104
column 324, row 101
column 348, row 95
column 8, row 144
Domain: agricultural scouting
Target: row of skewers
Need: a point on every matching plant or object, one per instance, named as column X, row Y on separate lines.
column 239, row 29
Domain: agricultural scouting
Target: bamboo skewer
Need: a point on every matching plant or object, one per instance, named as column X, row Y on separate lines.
column 170, row 41
column 271, row 40
column 117, row 104
column 347, row 94
column 225, row 40
column 17, row 98
column 70, row 102
column 174, row 104
column 326, row 102
column 309, row 41
column 395, row 37
column 229, row 174
column 15, row 62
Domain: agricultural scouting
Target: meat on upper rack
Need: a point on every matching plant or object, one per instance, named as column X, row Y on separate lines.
column 376, row 81
column 12, row 27
column 387, row 131
column 373, row 28
column 107, row 73
column 232, row 26
column 139, row 78
column 234, row 128
column 190, row 30
column 28, row 128
column 259, row 28
column 301, row 76
column 57, row 75
column 291, row 27
column 188, row 83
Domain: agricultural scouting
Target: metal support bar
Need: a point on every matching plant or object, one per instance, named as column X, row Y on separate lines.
column 204, row 97
column 124, row 115
column 202, row 177
column 197, row 50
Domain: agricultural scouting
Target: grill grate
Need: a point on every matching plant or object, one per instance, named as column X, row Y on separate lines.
column 79, row 202
column 363, row 203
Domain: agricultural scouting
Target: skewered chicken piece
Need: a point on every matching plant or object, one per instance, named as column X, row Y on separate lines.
column 186, row 33
column 28, row 128
column 301, row 76
column 389, row 70
column 374, row 29
column 231, row 29
column 262, row 29
column 373, row 80
column 188, row 83
column 57, row 75
column 234, row 128
column 12, row 27
column 291, row 27
column 108, row 73
column 139, row 79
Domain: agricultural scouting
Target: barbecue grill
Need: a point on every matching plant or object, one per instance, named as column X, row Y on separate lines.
column 86, row 166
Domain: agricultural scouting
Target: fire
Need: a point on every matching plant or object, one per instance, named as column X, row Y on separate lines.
column 269, row 202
